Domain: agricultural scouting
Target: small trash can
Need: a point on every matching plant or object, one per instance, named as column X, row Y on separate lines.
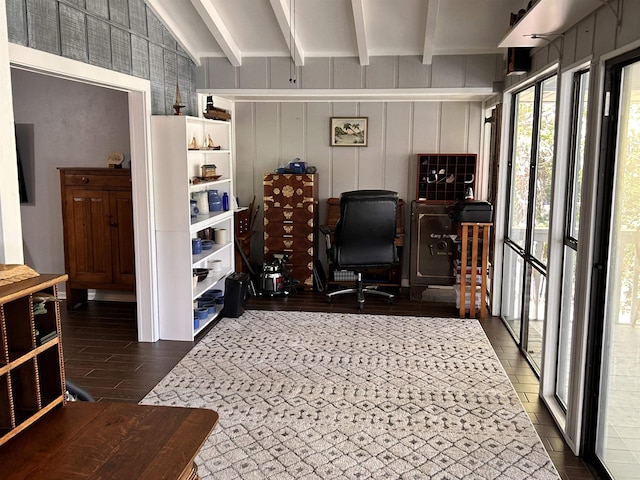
column 235, row 294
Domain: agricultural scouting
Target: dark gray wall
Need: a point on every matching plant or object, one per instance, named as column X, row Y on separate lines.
column 120, row 35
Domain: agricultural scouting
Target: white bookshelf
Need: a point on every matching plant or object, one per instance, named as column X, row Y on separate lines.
column 174, row 167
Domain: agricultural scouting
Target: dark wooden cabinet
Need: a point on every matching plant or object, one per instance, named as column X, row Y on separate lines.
column 291, row 222
column 97, row 216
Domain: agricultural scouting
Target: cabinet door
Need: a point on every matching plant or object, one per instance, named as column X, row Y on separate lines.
column 88, row 235
column 431, row 245
column 121, row 222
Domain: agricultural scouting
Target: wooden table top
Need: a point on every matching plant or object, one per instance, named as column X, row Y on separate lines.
column 101, row 440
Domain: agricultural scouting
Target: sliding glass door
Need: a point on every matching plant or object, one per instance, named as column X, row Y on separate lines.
column 614, row 423
column 527, row 230
column 575, row 164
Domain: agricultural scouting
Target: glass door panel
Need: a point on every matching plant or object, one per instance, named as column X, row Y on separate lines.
column 535, row 326
column 618, row 423
column 512, row 278
column 521, row 165
column 566, row 326
column 544, row 170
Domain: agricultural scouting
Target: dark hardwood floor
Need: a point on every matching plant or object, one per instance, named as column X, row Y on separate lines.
column 102, row 355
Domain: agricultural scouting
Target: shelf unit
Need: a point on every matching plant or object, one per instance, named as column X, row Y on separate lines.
column 31, row 364
column 444, row 177
column 547, row 18
column 175, row 166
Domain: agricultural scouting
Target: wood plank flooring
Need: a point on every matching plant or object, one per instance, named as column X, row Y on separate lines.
column 103, row 356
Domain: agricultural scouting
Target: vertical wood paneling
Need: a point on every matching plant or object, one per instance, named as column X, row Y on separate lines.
column 317, row 149
column 156, row 72
column 426, row 127
column 454, row 127
column 381, row 73
column 245, row 152
column 154, row 28
column 345, row 159
column 629, row 30
column 99, row 42
column 280, row 71
column 267, row 150
column 371, row 161
column 121, row 50
column 43, row 26
column 475, row 128
column 253, row 73
column 604, row 40
column 397, row 147
column 569, row 47
column 139, row 57
column 347, row 73
column 218, row 72
column 17, row 22
column 479, row 70
column 89, row 31
column 138, row 17
column 268, row 134
column 167, row 39
column 73, row 34
column 267, row 137
column 584, row 41
column 447, row 71
column 170, row 80
column 291, row 132
column 412, row 73
column 316, row 73
column 119, row 12
column 98, row 7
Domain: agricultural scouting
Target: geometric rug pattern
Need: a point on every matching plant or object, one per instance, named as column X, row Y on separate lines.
column 305, row 395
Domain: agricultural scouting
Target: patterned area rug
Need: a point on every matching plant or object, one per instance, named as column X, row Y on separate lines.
column 354, row 396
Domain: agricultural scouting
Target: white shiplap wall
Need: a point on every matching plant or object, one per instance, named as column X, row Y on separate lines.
column 270, row 134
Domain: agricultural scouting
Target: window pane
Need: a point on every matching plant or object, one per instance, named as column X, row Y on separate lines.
column 617, row 442
column 580, row 133
column 512, row 291
column 537, row 297
column 519, row 199
column 566, row 325
column 544, row 170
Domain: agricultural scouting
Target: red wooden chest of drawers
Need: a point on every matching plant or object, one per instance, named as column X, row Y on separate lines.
column 291, row 222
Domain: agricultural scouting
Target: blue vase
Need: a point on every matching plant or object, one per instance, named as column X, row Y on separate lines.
column 215, row 203
column 225, row 201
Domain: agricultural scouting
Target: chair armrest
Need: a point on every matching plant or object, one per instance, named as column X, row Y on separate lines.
column 326, row 231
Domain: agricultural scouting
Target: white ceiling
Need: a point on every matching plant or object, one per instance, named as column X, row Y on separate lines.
column 238, row 29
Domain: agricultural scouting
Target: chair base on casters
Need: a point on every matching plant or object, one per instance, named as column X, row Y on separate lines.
column 360, row 290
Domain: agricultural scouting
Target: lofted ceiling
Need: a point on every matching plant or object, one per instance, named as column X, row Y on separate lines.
column 239, row 29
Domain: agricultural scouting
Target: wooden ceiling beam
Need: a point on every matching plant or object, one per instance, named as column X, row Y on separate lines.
column 430, row 31
column 281, row 9
column 219, row 30
column 361, row 32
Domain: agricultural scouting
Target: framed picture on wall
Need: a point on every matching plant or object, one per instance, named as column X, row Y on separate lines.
column 349, row 132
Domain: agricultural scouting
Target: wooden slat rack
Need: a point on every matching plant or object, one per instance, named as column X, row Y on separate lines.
column 478, row 231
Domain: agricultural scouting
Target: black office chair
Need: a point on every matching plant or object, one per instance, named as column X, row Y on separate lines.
column 364, row 237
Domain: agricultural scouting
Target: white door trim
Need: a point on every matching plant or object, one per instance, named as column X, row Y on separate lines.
column 139, row 91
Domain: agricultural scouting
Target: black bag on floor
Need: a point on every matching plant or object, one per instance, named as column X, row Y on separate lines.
column 235, row 294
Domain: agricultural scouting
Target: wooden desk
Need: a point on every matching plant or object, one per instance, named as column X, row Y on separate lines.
column 109, row 441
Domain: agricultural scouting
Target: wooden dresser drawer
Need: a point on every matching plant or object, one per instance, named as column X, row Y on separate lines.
column 304, row 215
column 112, row 178
column 289, row 230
